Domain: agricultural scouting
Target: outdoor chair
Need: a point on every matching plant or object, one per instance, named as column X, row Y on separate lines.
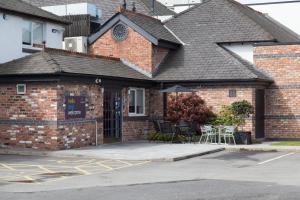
column 208, row 134
column 167, row 128
column 228, row 133
column 157, row 127
column 186, row 130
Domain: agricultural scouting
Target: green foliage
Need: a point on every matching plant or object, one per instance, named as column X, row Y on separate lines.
column 233, row 115
column 242, row 108
column 226, row 117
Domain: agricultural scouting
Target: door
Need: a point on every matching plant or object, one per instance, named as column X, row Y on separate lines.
column 260, row 113
column 112, row 115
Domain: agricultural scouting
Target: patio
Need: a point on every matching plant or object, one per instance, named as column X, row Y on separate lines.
column 142, row 150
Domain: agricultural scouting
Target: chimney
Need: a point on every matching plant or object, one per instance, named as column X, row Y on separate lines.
column 153, row 6
column 133, row 7
column 124, row 4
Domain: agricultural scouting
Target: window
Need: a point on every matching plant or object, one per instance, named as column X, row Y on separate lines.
column 120, row 32
column 21, row 88
column 232, row 93
column 136, row 101
column 32, row 33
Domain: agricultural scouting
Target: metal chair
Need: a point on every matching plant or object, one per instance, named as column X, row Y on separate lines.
column 228, row 132
column 167, row 128
column 208, row 133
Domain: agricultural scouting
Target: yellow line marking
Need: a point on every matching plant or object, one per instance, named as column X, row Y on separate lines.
column 6, row 166
column 127, row 163
column 45, row 169
column 105, row 166
column 83, row 171
column 29, row 178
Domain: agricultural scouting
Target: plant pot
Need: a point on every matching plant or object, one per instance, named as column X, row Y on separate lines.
column 243, row 138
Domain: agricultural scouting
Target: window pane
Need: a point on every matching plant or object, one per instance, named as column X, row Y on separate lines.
column 140, row 101
column 37, row 33
column 132, row 101
column 26, row 32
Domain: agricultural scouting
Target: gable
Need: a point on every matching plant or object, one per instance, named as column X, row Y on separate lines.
column 150, row 28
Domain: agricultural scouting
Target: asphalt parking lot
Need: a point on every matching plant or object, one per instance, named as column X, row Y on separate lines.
column 31, row 174
column 32, row 169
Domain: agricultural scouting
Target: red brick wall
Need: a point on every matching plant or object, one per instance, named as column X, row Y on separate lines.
column 27, row 118
column 282, row 62
column 37, row 119
column 80, row 132
column 218, row 96
column 135, row 49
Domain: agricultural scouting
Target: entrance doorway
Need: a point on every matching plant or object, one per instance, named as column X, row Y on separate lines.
column 260, row 114
column 112, row 115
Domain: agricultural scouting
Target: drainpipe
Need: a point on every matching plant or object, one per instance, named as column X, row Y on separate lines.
column 96, row 124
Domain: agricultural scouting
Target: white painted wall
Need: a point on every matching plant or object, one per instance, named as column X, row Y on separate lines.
column 11, row 37
column 243, row 50
column 74, row 9
column 286, row 13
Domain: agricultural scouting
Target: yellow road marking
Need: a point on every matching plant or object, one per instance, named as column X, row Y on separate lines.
column 105, row 166
column 6, row 166
column 127, row 163
column 45, row 169
column 81, row 170
column 28, row 178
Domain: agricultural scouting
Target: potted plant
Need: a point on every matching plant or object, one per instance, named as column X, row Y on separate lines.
column 242, row 110
column 236, row 115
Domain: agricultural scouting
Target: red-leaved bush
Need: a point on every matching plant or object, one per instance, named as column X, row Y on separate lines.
column 190, row 108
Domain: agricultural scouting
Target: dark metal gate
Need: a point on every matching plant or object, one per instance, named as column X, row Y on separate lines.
column 112, row 115
column 260, row 113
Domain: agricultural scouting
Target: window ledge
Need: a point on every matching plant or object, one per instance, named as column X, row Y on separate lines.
column 137, row 115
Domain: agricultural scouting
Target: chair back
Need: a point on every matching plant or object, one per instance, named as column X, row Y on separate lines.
column 166, row 127
column 156, row 124
column 206, row 129
column 229, row 129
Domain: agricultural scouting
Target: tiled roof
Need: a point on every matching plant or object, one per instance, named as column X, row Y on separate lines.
column 204, row 28
column 63, row 62
column 21, row 7
column 152, row 26
column 141, row 23
column 109, row 7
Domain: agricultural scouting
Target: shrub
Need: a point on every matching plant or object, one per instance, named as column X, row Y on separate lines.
column 190, row 108
column 234, row 115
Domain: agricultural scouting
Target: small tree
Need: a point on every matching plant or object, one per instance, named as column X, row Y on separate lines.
column 242, row 110
column 235, row 114
column 189, row 107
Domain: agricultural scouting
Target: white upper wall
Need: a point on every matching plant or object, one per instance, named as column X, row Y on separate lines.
column 11, row 45
column 74, row 9
column 287, row 14
column 243, row 50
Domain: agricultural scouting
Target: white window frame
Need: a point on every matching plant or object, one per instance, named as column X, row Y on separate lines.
column 44, row 32
column 144, row 109
column 22, row 85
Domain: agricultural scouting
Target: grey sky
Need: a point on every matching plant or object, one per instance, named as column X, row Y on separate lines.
column 260, row 1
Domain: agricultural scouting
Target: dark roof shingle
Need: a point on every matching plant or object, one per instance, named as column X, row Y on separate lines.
column 205, row 26
column 24, row 8
column 54, row 62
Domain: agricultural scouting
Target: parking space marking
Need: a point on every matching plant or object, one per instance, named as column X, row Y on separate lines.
column 82, row 171
column 105, row 166
column 55, row 170
column 6, row 166
column 276, row 158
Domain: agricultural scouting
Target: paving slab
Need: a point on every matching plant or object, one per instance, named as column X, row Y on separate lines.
column 139, row 150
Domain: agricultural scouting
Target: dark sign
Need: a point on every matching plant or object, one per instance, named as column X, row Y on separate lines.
column 75, row 107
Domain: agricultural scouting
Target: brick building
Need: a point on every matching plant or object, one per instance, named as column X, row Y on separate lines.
column 57, row 99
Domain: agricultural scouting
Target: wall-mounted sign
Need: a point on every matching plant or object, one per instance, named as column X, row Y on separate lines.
column 75, row 107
